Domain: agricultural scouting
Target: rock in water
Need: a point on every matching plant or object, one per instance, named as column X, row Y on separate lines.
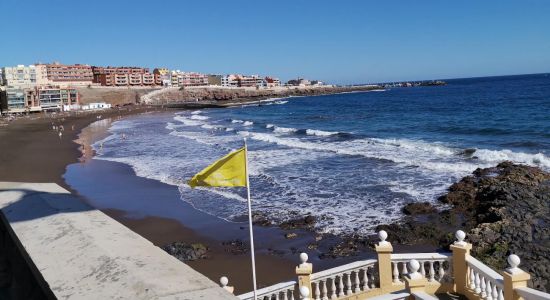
column 419, row 208
column 186, row 252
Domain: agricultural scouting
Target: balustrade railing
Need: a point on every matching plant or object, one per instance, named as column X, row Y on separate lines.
column 344, row 280
column 484, row 281
column 280, row 291
column 532, row 294
column 417, row 274
column 436, row 267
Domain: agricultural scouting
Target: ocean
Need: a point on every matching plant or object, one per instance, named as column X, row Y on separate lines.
column 352, row 160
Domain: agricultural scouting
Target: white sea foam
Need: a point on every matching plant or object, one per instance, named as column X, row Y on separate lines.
column 303, row 174
column 199, row 117
column 237, row 121
column 278, row 129
column 320, row 132
column 187, row 122
column 196, row 112
column 248, row 123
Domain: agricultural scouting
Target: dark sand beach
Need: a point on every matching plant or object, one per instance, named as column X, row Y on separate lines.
column 33, row 152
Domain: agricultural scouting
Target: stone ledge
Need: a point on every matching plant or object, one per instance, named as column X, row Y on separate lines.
column 82, row 253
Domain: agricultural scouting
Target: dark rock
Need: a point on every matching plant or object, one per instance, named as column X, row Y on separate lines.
column 307, row 222
column 504, row 209
column 419, row 208
column 187, row 252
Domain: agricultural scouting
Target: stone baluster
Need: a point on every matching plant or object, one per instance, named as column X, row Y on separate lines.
column 317, row 293
column 494, row 292
column 285, row 295
column 304, row 270
column 404, row 270
column 472, row 279
column 461, row 252
column 365, row 279
column 441, row 271
column 478, row 283
column 514, row 277
column 395, row 273
column 304, row 293
column 432, row 271
column 333, row 288
column 341, row 285
column 348, row 282
column 483, row 286
column 324, row 290
column 489, row 291
column 357, row 282
column 384, row 250
column 223, row 282
column 276, row 296
column 372, row 286
column 422, row 268
column 500, row 294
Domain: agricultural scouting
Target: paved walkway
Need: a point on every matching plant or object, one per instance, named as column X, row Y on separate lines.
column 84, row 254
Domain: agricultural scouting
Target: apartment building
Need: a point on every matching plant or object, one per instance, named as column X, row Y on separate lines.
column 24, row 76
column 236, row 80
column 66, row 75
column 122, row 76
column 56, row 98
column 179, row 78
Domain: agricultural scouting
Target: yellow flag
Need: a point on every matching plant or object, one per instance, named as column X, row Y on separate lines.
column 230, row 170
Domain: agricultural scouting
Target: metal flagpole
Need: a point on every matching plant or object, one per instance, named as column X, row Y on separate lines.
column 250, row 220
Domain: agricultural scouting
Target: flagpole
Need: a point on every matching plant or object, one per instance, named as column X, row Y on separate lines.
column 250, row 220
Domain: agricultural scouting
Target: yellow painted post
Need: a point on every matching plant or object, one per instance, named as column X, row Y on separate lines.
column 304, row 271
column 384, row 250
column 514, row 277
column 461, row 251
column 415, row 282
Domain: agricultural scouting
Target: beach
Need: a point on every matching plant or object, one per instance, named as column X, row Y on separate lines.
column 33, row 152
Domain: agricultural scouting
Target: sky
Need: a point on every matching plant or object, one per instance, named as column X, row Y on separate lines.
column 340, row 42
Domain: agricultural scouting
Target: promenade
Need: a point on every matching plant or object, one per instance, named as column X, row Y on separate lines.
column 70, row 250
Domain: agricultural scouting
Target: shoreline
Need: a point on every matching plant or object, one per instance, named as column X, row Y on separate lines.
column 159, row 224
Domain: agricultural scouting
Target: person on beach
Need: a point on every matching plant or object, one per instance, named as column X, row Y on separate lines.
column 60, row 134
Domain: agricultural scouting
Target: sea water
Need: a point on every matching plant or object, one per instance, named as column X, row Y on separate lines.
column 352, row 160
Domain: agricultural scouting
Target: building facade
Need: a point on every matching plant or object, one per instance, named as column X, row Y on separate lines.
column 56, row 98
column 122, row 76
column 65, row 75
column 179, row 78
column 22, row 76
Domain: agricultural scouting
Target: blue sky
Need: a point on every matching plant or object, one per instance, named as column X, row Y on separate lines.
column 335, row 41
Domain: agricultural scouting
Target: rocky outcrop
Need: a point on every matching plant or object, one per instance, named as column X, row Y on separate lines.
column 504, row 210
column 187, row 252
column 221, row 95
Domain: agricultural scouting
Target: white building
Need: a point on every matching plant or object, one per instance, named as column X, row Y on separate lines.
column 25, row 76
column 96, row 105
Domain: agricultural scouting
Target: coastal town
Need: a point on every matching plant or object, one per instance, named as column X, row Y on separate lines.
column 55, row 86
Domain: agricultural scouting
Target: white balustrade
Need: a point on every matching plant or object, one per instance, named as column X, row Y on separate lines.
column 484, row 281
column 344, row 280
column 433, row 266
column 532, row 294
column 280, row 291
